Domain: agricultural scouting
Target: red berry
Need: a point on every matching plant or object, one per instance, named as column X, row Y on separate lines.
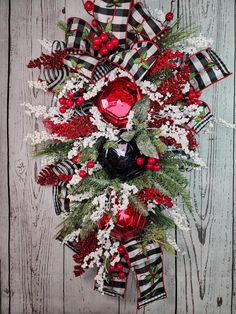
column 69, row 103
column 119, row 266
column 80, row 101
column 90, row 164
column 70, row 95
column 88, row 5
column 121, row 275
column 109, row 45
column 94, row 23
column 121, row 249
column 156, row 167
column 97, row 41
column 115, row 41
column 96, row 47
column 149, row 167
column 83, row 174
column 112, row 268
column 62, row 109
column 126, row 257
column 140, row 161
column 104, row 38
column 62, row 100
column 151, row 161
column 169, row 16
column 75, row 159
column 103, row 51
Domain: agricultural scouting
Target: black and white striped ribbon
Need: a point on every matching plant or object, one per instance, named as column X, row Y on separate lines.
column 151, row 29
column 127, row 59
column 118, row 13
column 56, row 76
column 207, row 67
column 142, row 263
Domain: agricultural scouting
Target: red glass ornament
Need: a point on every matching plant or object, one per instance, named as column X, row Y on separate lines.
column 129, row 224
column 116, row 100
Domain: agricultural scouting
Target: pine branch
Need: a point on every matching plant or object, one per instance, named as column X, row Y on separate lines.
column 138, row 205
column 58, row 150
column 161, row 220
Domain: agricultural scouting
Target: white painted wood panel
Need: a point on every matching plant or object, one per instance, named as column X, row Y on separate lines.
column 41, row 271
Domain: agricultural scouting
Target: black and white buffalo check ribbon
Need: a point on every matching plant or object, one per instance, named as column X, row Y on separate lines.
column 207, row 68
column 127, row 19
column 148, row 269
column 66, row 167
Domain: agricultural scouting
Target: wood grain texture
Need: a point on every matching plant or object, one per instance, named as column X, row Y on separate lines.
column 40, row 271
column 4, row 204
column 204, row 276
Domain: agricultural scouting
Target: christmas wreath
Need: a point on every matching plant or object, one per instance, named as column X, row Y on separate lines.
column 119, row 136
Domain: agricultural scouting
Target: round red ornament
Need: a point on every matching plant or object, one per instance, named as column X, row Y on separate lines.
column 83, row 174
column 169, row 16
column 62, row 100
column 119, row 267
column 121, row 275
column 88, row 5
column 62, row 109
column 116, row 100
column 90, row 164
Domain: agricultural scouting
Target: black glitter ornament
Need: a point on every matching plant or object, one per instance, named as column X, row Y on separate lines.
column 120, row 162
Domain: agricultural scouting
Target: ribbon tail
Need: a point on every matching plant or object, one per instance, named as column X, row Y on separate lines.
column 207, row 68
column 148, row 268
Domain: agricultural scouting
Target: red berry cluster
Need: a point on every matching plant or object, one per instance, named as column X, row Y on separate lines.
column 193, row 97
column 64, row 177
column 103, row 43
column 165, row 61
column 83, row 173
column 152, row 163
column 69, row 101
column 148, row 194
column 117, row 269
column 84, row 247
column 55, row 60
column 78, row 126
column 174, row 85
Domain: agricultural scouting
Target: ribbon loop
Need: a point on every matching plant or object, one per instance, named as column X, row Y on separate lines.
column 207, row 68
column 141, row 23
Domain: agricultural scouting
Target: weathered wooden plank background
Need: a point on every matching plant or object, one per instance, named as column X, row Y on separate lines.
column 35, row 271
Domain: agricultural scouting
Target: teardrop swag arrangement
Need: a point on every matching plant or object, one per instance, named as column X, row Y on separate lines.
column 119, row 136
